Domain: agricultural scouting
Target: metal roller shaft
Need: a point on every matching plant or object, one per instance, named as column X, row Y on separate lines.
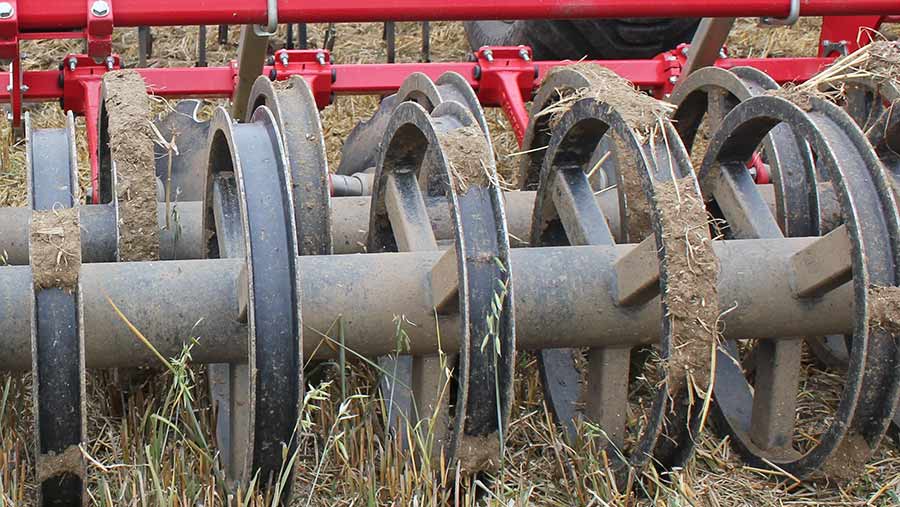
column 181, row 239
column 564, row 297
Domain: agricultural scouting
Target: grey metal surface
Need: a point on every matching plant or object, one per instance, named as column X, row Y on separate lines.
column 706, row 46
column 179, row 239
column 564, row 297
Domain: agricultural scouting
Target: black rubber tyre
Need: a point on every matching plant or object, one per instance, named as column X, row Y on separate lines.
column 592, row 38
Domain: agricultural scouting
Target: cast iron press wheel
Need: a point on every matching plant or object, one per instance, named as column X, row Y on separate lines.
column 127, row 168
column 628, row 160
column 294, row 108
column 592, row 38
column 873, row 105
column 57, row 320
column 182, row 178
column 448, row 147
column 249, row 215
column 705, row 97
column 616, row 378
column 761, row 418
column 360, row 150
column 555, row 86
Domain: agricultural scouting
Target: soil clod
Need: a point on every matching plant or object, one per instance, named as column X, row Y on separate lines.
column 467, row 152
column 884, row 309
column 53, row 465
column 640, row 111
column 479, row 453
column 55, row 246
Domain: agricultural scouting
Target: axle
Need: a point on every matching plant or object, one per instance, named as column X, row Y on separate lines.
column 564, row 297
column 180, row 238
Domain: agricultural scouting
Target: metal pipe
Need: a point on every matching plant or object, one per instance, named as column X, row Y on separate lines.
column 179, row 239
column 182, row 239
column 355, row 185
column 350, row 219
column 564, row 297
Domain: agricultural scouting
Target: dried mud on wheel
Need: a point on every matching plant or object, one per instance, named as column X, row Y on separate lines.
column 692, row 295
column 55, row 248
column 131, row 147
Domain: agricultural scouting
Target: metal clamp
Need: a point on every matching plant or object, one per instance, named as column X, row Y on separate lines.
column 272, row 26
column 792, row 17
column 99, row 28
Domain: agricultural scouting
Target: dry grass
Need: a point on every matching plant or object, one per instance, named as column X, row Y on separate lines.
column 749, row 40
column 162, row 452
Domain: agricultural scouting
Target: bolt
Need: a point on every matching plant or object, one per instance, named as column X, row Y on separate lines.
column 320, row 57
column 488, row 55
column 110, row 63
column 684, row 50
column 524, row 54
column 73, row 62
column 284, row 59
column 673, row 79
column 669, row 58
column 6, row 10
column 100, row 8
column 722, row 53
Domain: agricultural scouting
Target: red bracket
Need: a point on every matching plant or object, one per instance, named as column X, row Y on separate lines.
column 9, row 50
column 845, row 34
column 80, row 78
column 506, row 77
column 673, row 64
column 99, row 28
column 9, row 30
column 313, row 64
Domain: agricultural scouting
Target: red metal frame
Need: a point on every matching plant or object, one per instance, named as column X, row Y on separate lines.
column 852, row 31
column 507, row 80
column 503, row 77
column 373, row 79
column 67, row 15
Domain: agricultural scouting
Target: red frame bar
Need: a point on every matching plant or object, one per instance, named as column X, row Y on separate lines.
column 57, row 15
column 379, row 79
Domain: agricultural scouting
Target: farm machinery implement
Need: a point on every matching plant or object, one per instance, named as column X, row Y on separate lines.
column 684, row 232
